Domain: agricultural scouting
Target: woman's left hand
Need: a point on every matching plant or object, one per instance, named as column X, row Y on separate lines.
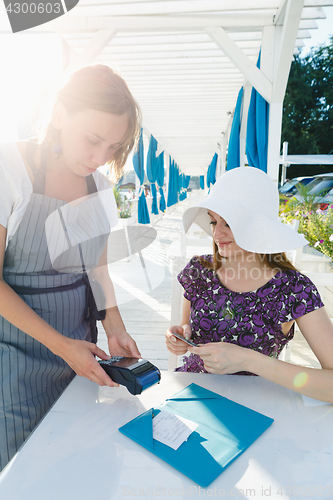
column 222, row 357
column 122, row 344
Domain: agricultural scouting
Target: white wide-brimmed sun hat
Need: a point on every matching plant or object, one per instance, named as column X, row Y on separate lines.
column 248, row 200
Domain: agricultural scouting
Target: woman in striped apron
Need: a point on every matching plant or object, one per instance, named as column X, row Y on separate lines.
column 47, row 333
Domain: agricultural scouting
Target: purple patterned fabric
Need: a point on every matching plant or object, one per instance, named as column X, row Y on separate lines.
column 251, row 319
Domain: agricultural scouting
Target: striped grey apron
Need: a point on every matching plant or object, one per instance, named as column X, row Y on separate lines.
column 31, row 376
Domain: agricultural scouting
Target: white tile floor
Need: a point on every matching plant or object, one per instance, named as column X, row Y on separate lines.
column 144, row 296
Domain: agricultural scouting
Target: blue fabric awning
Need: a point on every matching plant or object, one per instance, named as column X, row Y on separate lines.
column 162, row 200
column 211, row 172
column 154, row 207
column 257, row 130
column 160, row 170
column 160, row 181
column 184, row 180
column 202, row 182
column 152, row 163
column 173, row 188
column 152, row 168
column 139, row 167
column 233, row 160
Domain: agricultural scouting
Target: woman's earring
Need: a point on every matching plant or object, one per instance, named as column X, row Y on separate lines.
column 57, row 150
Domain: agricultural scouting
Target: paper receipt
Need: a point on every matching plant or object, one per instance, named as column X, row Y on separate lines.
column 171, row 429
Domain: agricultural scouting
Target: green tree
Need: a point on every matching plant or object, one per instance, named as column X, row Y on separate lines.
column 307, row 123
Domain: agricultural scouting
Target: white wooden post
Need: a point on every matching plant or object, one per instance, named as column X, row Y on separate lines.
column 242, row 136
column 224, row 152
column 274, row 140
column 254, row 75
column 167, row 163
column 285, row 164
column 267, row 63
column 277, row 53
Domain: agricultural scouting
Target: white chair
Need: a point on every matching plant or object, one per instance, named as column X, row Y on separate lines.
column 295, row 256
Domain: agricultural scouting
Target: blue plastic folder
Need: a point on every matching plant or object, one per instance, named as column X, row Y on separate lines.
column 225, row 430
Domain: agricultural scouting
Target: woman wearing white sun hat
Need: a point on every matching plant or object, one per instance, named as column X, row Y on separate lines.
column 241, row 302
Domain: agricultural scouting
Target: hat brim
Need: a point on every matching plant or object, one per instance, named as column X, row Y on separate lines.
column 269, row 235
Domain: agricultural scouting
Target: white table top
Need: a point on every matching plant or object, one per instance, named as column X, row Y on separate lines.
column 77, row 452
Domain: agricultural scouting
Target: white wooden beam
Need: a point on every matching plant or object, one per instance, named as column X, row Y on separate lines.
column 250, row 71
column 269, row 49
column 184, row 77
column 87, row 55
column 279, row 16
column 71, row 22
column 194, row 48
column 318, row 3
column 95, row 46
column 174, row 64
column 155, row 39
column 180, row 7
column 287, row 43
column 313, row 13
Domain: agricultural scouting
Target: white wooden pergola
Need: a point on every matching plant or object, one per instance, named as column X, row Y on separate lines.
column 185, row 61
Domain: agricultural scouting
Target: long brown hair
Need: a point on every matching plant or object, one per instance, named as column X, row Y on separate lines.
column 274, row 261
column 98, row 87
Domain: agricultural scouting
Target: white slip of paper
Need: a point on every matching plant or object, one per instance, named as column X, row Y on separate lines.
column 171, row 429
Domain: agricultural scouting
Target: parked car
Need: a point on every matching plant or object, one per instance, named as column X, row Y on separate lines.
column 322, row 187
column 289, row 188
column 327, row 200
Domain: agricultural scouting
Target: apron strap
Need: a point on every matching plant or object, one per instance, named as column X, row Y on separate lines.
column 91, row 184
column 28, row 290
column 39, row 174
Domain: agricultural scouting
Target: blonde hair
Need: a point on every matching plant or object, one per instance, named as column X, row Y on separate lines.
column 98, row 87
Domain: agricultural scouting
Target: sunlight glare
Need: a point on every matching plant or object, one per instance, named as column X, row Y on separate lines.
column 30, row 64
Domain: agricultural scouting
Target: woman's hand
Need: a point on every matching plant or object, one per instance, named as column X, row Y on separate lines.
column 222, row 357
column 122, row 344
column 79, row 355
column 176, row 346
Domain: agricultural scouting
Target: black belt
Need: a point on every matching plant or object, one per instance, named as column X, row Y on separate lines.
column 91, row 311
column 28, row 290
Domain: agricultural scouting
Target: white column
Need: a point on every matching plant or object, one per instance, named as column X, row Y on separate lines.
column 242, row 136
column 224, row 152
column 277, row 54
column 285, row 164
column 269, row 55
column 166, row 164
column 274, row 140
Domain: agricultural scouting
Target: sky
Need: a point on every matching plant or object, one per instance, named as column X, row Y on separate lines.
column 320, row 36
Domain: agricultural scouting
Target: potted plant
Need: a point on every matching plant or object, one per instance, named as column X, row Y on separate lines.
column 316, row 224
column 124, row 207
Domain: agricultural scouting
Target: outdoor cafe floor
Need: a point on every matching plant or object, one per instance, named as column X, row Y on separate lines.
column 144, row 297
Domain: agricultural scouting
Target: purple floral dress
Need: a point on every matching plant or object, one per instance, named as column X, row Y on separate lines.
column 250, row 319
